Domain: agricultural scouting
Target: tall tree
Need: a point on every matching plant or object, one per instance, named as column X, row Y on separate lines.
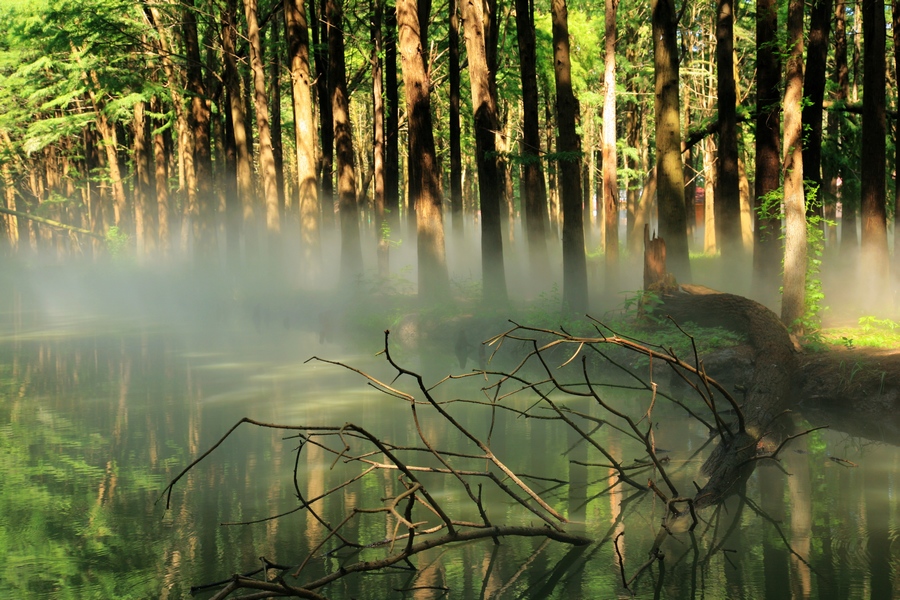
column 727, row 202
column 872, row 172
column 669, row 169
column 490, row 189
column 424, row 171
column 533, row 187
column 610, row 162
column 267, row 166
column 767, row 230
column 378, row 138
column 575, row 292
column 456, row 200
column 793, row 298
column 814, row 94
column 351, row 250
column 297, row 33
column 391, row 124
column 326, row 119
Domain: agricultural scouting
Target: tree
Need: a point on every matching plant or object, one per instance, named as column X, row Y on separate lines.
column 814, row 94
column 568, row 147
column 351, row 251
column 453, row 73
column 727, row 203
column 424, row 171
column 793, row 300
column 669, row 169
column 874, row 255
column 767, row 246
column 533, row 187
column 610, row 162
column 490, row 189
column 297, row 29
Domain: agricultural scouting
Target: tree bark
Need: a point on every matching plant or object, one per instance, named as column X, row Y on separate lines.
column 351, row 251
column 610, row 162
column 456, row 199
column 143, row 228
column 814, row 97
column 669, row 171
column 484, row 105
column 575, row 292
column 383, row 249
column 874, row 256
column 767, row 229
column 202, row 209
column 727, row 203
column 424, row 171
column 391, row 125
column 297, row 29
column 266, row 151
column 533, row 187
column 326, row 119
column 793, row 299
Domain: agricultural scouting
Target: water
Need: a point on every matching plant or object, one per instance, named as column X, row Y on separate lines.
column 100, row 408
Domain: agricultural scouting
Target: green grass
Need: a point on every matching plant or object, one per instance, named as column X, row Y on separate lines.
column 870, row 332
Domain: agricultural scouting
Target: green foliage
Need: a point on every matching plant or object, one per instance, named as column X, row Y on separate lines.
column 116, row 242
column 871, row 332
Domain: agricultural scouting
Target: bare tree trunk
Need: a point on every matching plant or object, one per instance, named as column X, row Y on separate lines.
column 727, row 203
column 767, row 229
column 267, row 165
column 351, row 251
column 297, row 29
column 814, row 95
column 424, row 171
column 575, row 292
column 484, row 105
column 391, row 125
column 793, row 299
column 874, row 256
column 610, row 184
column 326, row 119
column 533, row 188
column 142, row 222
column 456, row 201
column 669, row 171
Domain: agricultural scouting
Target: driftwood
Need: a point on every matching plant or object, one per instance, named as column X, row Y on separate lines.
column 50, row 222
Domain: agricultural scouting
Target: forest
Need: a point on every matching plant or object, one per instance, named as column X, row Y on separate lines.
column 241, row 185
column 225, row 132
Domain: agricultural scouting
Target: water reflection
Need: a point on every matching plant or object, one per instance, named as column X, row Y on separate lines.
column 96, row 420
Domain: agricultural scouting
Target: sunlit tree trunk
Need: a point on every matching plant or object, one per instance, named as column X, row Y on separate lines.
column 456, row 201
column 874, row 257
column 727, row 202
column 484, row 105
column 304, row 133
column 533, row 188
column 793, row 298
column 841, row 77
column 267, row 165
column 669, row 168
column 575, row 292
column 424, row 170
column 202, row 207
column 384, row 246
column 767, row 229
column 895, row 24
column 391, row 125
column 351, row 251
column 142, row 214
column 610, row 162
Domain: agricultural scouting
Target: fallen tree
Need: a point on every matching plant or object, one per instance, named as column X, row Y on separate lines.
column 553, row 368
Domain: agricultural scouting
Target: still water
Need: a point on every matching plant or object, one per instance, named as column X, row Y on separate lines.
column 98, row 414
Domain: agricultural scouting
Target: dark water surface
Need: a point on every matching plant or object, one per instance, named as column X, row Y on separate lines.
column 98, row 414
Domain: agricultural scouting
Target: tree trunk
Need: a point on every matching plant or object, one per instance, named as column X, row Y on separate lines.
column 267, row 165
column 709, row 196
column 610, row 162
column 202, row 209
column 275, row 91
column 456, row 200
column 874, row 256
column 326, row 119
column 793, row 299
column 533, row 188
column 575, row 292
column 484, row 105
column 297, row 30
column 391, row 126
column 727, row 203
column 143, row 228
column 895, row 23
column 767, row 229
column 383, row 249
column 669, row 171
column 351, row 251
column 424, row 171
column 814, row 96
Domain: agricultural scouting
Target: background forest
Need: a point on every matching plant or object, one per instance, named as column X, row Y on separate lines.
column 226, row 133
